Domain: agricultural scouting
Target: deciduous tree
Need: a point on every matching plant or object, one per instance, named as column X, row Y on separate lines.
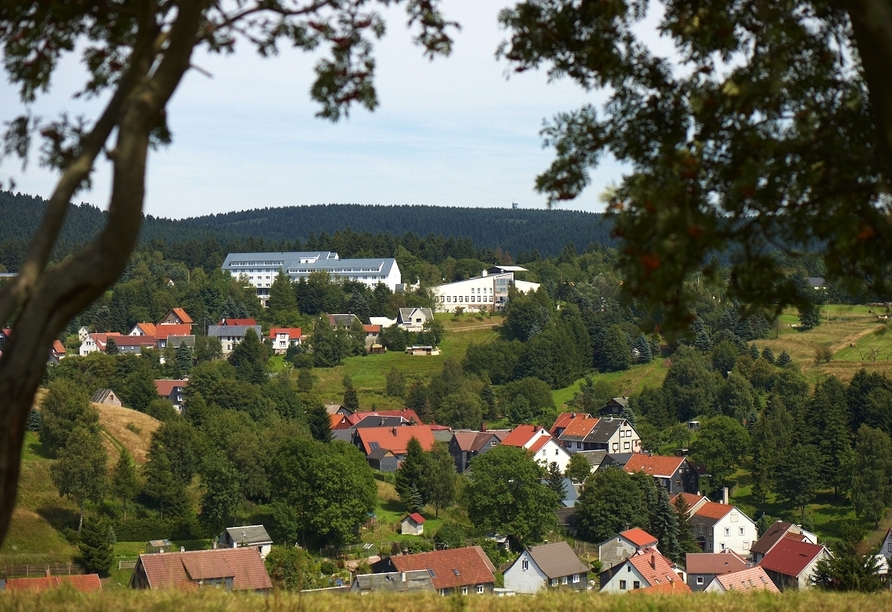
column 81, row 471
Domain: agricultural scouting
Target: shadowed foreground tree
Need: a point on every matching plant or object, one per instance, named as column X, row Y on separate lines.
column 774, row 132
column 136, row 55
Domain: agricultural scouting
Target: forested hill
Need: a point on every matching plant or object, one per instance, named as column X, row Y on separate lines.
column 515, row 231
column 353, row 230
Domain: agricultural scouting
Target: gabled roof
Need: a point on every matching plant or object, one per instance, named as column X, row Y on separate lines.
column 372, row 329
column 58, row 347
column 417, row 518
column 162, row 332
column 85, row 583
column 101, row 395
column 772, row 535
column 654, row 465
column 557, row 559
column 450, row 568
column 237, row 322
column 523, row 435
column 397, row 582
column 237, row 331
column 713, row 511
column 723, row 562
column 750, row 579
column 180, row 314
column 291, row 332
column 166, row 386
column 538, row 444
column 146, row 341
column 639, row 537
column 249, row 535
column 653, row 567
column 605, row 429
column 394, row 439
column 790, row 557
column 579, row 427
column 693, row 500
column 675, row 587
column 183, row 570
column 147, row 329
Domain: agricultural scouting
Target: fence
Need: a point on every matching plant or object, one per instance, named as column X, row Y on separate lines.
column 41, row 569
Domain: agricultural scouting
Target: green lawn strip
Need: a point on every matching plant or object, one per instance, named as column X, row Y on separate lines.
column 115, row 442
column 32, row 449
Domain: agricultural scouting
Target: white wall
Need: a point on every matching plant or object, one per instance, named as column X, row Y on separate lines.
column 529, row 580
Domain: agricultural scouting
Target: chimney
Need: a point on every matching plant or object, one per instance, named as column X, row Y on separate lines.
column 653, row 560
column 47, row 572
column 403, row 576
column 572, row 415
column 483, row 426
column 182, row 549
column 725, row 495
column 394, row 431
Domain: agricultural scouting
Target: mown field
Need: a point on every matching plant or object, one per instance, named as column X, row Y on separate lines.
column 563, row 601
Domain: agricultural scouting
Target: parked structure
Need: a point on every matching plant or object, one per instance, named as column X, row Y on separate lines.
column 640, row 571
column 107, row 397
column 578, row 432
column 232, row 331
column 283, row 338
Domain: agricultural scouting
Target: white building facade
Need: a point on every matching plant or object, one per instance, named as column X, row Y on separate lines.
column 260, row 269
column 489, row 291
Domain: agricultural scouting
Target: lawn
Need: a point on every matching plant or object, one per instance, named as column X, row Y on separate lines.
column 626, row 383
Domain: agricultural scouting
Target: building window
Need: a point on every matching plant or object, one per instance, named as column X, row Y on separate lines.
column 564, row 580
column 699, row 528
column 525, row 564
column 746, row 545
column 742, row 531
column 575, row 578
column 699, row 579
column 727, row 531
column 479, row 589
column 554, row 582
column 464, row 590
column 625, row 446
column 622, row 585
column 636, row 585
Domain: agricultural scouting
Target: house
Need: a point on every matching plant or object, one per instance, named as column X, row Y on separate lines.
column 248, row 536
column 422, row 349
column 615, row 406
column 259, row 270
column 721, row 526
column 96, row 342
column 703, row 567
column 174, row 335
column 372, row 333
column 412, row 524
column 232, row 331
column 173, row 391
column 57, row 352
column 489, row 291
column 646, row 569
column 135, row 344
column 549, row 565
column 457, row 570
column 781, row 529
column 382, row 460
column 676, row 474
column 107, row 397
column 465, row 445
column 393, row 439
column 749, row 579
column 624, row 545
column 412, row 581
column 543, row 447
column 580, row 432
column 343, row 321
column 791, row 562
column 176, row 316
column 673, row 587
column 414, row 319
column 233, row 569
column 283, row 338
column 143, row 329
column 85, row 583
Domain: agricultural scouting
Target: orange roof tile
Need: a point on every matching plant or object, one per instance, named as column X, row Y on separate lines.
column 563, row 419
column 395, row 439
column 450, row 568
column 676, row 587
column 166, row 386
column 692, row 499
column 237, row 322
column 750, row 579
column 293, row 332
column 638, row 537
column 538, row 444
column 655, row 465
column 181, row 314
column 164, row 331
column 713, row 510
column 581, row 426
column 372, row 329
column 58, row 347
column 176, row 570
column 522, row 434
column 85, row 583
column 654, row 567
column 148, row 329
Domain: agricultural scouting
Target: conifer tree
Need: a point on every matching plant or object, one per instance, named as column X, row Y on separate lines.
column 97, row 546
column 411, row 476
column 442, row 479
column 183, row 359
column 664, row 525
column 124, row 481
column 351, row 399
column 555, row 480
column 872, row 474
column 783, row 359
column 319, row 422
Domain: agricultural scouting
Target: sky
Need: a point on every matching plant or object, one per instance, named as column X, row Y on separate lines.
column 458, row 131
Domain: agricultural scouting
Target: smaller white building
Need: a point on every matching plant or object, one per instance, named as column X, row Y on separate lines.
column 284, row 337
column 719, row 527
column 248, row 536
column 544, row 447
column 552, row 565
column 489, row 291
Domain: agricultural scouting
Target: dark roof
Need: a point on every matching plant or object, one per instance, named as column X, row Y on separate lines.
column 594, row 457
column 557, row 559
column 604, row 430
column 620, row 459
column 713, row 563
column 397, row 582
column 790, row 557
column 771, row 537
column 249, row 534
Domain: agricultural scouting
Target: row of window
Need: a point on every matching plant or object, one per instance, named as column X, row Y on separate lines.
column 635, row 585
column 275, row 264
column 466, row 299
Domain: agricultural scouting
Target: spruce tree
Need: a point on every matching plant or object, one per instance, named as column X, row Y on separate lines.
column 768, row 355
column 555, row 480
column 124, row 481
column 783, row 359
column 111, row 347
column 183, row 359
column 351, row 399
column 319, row 422
column 96, row 546
column 411, row 476
column 664, row 525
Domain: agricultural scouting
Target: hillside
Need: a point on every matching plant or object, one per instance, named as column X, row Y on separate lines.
column 128, row 428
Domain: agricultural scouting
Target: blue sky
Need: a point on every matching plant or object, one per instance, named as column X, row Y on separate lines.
column 458, row 131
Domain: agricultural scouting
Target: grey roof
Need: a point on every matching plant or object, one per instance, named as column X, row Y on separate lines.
column 407, row 312
column 594, row 457
column 381, row 421
column 557, row 559
column 379, row 453
column 249, row 534
column 322, row 260
column 101, row 395
column 604, row 430
column 398, row 582
column 344, row 435
column 620, row 459
column 566, row 517
column 342, row 320
column 237, row 331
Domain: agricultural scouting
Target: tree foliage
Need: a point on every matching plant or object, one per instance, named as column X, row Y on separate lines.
column 80, row 473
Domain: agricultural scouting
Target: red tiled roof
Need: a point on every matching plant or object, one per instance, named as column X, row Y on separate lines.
column 148, row 329
column 538, row 444
column 181, row 314
column 181, row 570
column 563, row 420
column 522, row 434
column 581, row 426
column 237, row 322
column 790, row 556
column 166, row 386
column 135, row 340
column 293, row 332
column 692, row 499
column 163, row 331
column 675, row 587
column 750, row 579
column 395, row 439
column 58, row 347
column 85, row 583
column 638, row 537
column 372, row 329
column 338, row 421
column 654, row 567
column 713, row 510
column 450, row 568
column 772, row 536
column 655, row 465
column 416, row 517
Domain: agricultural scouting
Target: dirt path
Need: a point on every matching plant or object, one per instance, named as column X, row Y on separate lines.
column 854, row 338
column 877, row 535
column 473, row 327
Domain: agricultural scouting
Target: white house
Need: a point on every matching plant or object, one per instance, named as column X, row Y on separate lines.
column 641, row 571
column 232, row 331
column 719, row 527
column 412, row 524
column 414, row 319
column 489, row 291
column 248, row 536
column 578, row 431
column 284, row 337
column 259, row 270
column 543, row 447
column 624, row 545
column 550, row 565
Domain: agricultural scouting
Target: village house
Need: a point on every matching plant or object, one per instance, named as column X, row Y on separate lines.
column 412, row 524
column 749, row 579
column 248, row 536
column 105, row 396
column 84, row 583
column 231, row 332
column 174, row 391
column 703, row 567
column 414, row 319
column 282, row 338
column 553, row 565
column 453, row 571
column 624, row 545
column 465, row 445
column 237, row 569
column 412, row 581
column 720, row 526
column 96, row 342
column 675, row 474
column 791, row 563
column 579, row 432
column 781, row 529
column 646, row 569
column 543, row 447
column 393, row 439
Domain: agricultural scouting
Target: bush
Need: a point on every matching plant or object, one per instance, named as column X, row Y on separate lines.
column 328, row 567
